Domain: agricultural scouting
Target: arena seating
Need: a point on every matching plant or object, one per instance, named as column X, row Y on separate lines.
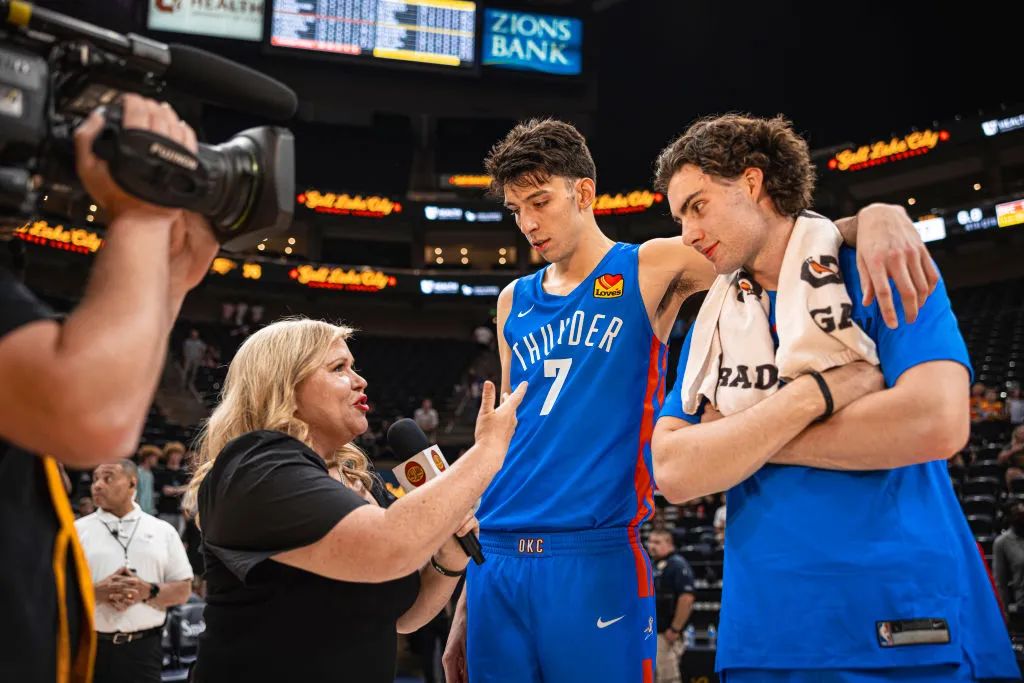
column 992, row 322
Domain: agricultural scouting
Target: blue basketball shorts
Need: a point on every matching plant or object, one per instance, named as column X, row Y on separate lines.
column 560, row 608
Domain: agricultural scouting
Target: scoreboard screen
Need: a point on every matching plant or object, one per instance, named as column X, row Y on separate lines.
column 437, row 32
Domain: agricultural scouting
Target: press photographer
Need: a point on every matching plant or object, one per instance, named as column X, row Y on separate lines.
column 77, row 392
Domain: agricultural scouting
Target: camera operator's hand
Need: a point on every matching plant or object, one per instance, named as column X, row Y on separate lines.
column 139, row 113
column 193, row 248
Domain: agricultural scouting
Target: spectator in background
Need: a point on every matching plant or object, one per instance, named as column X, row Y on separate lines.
column 483, row 335
column 720, row 522
column 1015, row 406
column 193, row 351
column 977, row 397
column 1008, row 564
column 212, row 357
column 427, row 419
column 86, row 506
column 673, row 599
column 241, row 308
column 81, row 483
column 171, row 480
column 658, row 521
column 991, row 408
column 1013, row 456
column 139, row 569
column 227, row 313
column 145, row 493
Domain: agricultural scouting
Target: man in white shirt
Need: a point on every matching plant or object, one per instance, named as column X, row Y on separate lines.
column 427, row 419
column 139, row 569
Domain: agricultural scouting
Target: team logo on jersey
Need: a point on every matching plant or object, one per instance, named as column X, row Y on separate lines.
column 415, row 474
column 438, row 460
column 747, row 287
column 821, row 271
column 608, row 286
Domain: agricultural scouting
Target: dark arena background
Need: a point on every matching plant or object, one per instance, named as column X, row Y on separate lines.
column 399, row 103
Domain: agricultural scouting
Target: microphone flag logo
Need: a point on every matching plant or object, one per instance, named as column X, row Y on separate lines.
column 415, row 474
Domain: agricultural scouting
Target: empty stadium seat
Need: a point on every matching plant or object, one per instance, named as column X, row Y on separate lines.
column 981, row 525
column 981, row 470
column 979, row 505
column 983, row 486
column 987, row 454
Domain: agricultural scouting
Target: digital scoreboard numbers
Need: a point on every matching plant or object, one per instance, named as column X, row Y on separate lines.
column 440, row 32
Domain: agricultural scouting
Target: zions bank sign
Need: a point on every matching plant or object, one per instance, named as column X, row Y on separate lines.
column 533, row 42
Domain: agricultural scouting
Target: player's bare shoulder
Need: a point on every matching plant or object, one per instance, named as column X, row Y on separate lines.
column 670, row 255
column 670, row 271
column 505, row 300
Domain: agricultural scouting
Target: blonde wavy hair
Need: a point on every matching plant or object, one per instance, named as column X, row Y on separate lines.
column 259, row 393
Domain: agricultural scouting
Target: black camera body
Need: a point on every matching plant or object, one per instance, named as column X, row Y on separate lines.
column 55, row 70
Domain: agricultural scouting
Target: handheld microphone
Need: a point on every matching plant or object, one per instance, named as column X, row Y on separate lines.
column 423, row 462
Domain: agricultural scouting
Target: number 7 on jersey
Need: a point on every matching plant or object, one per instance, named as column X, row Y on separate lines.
column 559, row 369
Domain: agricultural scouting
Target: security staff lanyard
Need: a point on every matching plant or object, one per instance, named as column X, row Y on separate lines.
column 117, row 537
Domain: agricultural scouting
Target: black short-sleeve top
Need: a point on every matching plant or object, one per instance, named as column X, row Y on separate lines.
column 266, row 621
column 29, row 529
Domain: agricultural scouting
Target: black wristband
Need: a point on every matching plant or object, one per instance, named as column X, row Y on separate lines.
column 444, row 570
column 825, row 393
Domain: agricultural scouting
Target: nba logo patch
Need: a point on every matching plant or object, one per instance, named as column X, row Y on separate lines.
column 926, row 631
column 608, row 286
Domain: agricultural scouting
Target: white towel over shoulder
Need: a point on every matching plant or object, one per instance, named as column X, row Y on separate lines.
column 733, row 362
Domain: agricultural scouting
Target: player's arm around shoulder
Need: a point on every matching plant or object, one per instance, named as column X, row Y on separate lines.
column 670, row 272
column 920, row 415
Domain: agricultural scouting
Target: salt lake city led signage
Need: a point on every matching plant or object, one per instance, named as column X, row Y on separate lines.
column 371, row 206
column 58, row 237
column 886, row 151
column 636, row 201
column 532, row 42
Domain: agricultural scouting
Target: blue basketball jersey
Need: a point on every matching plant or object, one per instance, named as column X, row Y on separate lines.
column 580, row 457
column 827, row 569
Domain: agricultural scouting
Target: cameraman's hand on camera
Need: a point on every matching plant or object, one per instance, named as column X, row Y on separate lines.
column 140, row 113
column 495, row 426
column 193, row 248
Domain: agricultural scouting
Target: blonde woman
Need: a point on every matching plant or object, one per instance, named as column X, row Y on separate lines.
column 311, row 569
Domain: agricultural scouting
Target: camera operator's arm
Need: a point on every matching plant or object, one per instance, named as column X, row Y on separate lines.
column 80, row 390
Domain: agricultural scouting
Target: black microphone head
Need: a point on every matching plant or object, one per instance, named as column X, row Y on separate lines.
column 215, row 79
column 407, row 439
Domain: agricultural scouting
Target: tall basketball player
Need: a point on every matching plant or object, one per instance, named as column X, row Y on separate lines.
column 566, row 593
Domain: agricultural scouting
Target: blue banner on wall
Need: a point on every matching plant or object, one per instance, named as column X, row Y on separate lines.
column 533, row 42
